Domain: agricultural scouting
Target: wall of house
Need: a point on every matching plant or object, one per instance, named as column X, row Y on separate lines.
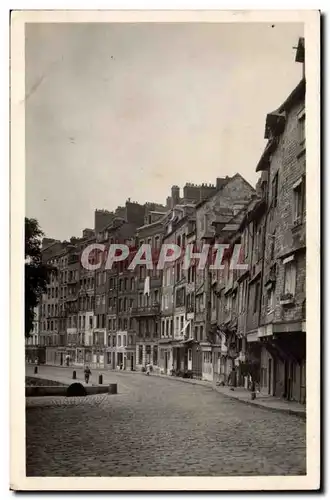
column 289, row 162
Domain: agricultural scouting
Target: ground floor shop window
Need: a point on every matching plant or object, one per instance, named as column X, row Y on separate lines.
column 148, row 354
column 207, row 357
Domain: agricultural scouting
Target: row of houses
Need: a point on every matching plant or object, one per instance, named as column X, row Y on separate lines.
column 220, row 325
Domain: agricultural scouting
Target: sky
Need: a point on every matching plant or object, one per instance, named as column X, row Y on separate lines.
column 118, row 111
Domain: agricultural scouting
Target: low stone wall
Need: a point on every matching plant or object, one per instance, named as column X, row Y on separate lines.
column 41, row 387
column 33, row 381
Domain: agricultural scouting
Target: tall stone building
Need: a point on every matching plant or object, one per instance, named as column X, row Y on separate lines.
column 146, row 311
column 232, row 196
column 49, row 305
column 282, row 328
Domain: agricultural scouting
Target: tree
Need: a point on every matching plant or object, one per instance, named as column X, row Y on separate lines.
column 37, row 274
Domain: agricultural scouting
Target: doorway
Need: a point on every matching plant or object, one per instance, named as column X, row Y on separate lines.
column 270, row 375
column 288, row 372
column 120, row 359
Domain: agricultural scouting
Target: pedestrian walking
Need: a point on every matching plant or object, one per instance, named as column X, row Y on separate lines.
column 88, row 373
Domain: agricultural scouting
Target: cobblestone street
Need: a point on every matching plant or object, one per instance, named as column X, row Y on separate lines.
column 156, row 426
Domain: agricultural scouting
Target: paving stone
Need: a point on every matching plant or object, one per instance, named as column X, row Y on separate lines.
column 156, row 426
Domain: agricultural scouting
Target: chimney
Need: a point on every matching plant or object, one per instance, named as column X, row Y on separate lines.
column 175, row 192
column 300, row 53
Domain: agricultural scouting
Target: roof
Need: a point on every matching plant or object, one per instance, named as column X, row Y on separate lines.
column 225, row 183
column 298, row 94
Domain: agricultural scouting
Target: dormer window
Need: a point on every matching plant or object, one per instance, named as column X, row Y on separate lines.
column 275, row 123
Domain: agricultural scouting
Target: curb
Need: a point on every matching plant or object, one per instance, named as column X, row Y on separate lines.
column 288, row 411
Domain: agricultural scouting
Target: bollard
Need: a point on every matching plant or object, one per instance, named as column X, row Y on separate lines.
column 35, row 369
column 253, row 391
column 74, row 375
column 100, row 379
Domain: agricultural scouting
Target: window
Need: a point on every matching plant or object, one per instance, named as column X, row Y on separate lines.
column 125, row 323
column 163, row 328
column 181, row 325
column 180, row 297
column 196, row 333
column 132, row 283
column 256, row 297
column 270, row 300
column 201, row 332
column 189, row 354
column 275, row 190
column 259, row 244
column 298, row 200
column 124, row 340
column 272, row 246
column 157, row 242
column 301, row 127
column 289, row 276
column 178, row 271
column 119, row 341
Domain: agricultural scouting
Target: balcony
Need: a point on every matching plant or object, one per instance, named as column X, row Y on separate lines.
column 154, row 283
column 286, row 299
column 146, row 310
column 72, row 297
